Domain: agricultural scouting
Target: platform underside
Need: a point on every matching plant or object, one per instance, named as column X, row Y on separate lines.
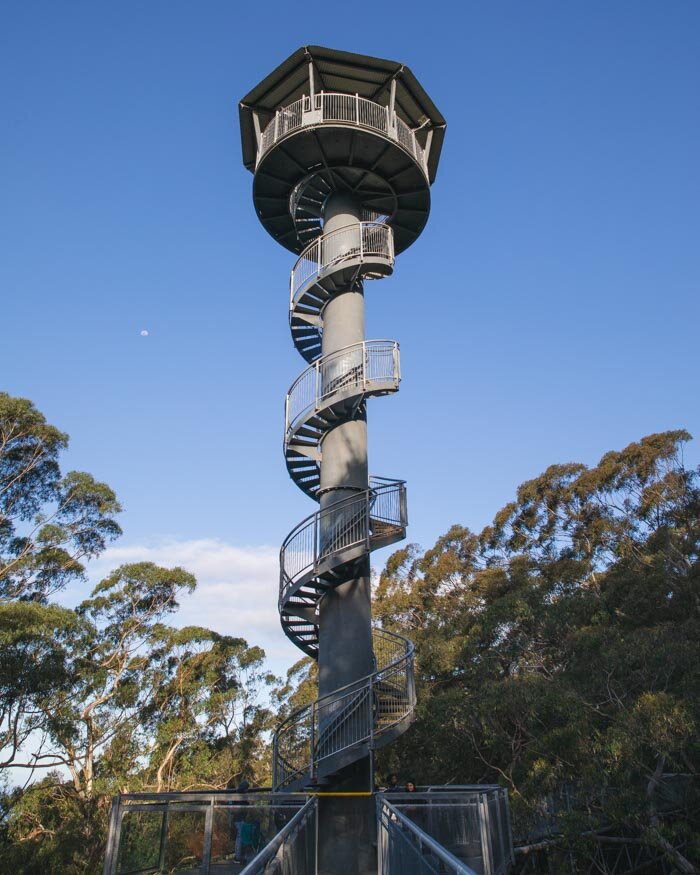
column 351, row 159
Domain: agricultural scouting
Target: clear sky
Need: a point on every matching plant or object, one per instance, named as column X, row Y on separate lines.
column 548, row 313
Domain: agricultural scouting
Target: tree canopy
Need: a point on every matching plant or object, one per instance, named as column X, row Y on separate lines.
column 561, row 645
column 107, row 694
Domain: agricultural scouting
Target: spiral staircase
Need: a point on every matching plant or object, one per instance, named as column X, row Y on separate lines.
column 328, row 124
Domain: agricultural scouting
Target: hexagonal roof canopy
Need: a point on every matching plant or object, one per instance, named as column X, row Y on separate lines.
column 347, row 73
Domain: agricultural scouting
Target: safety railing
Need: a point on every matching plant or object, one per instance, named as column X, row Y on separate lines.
column 197, row 831
column 347, row 523
column 455, row 831
column 337, row 108
column 361, row 240
column 293, row 851
column 359, row 713
column 356, row 369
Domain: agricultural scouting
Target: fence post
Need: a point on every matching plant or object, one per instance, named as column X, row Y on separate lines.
column 485, row 836
column 312, row 761
column 366, row 369
column 112, row 850
column 208, row 827
column 509, row 828
column 357, row 109
column 318, row 384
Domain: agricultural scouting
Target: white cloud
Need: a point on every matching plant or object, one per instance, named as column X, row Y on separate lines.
column 236, row 591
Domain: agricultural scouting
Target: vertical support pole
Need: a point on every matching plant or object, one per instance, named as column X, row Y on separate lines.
column 312, row 734
column 312, row 84
column 163, row 838
column 112, row 850
column 486, row 855
column 316, row 818
column 208, row 827
column 256, row 126
column 318, row 384
column 509, row 827
column 274, row 764
column 428, row 144
column 392, row 101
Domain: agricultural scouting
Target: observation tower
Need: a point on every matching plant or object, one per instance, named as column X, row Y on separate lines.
column 343, row 149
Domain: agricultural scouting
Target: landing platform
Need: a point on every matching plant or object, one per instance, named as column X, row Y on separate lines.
column 464, row 830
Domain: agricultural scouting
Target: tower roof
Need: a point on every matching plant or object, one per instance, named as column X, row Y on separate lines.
column 347, row 73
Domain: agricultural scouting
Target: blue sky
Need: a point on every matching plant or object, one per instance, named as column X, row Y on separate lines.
column 548, row 313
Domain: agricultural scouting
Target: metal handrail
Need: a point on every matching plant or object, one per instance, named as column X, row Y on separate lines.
column 350, row 715
column 260, row 861
column 356, row 366
column 360, row 240
column 338, row 108
column 386, row 812
column 480, row 816
column 340, row 526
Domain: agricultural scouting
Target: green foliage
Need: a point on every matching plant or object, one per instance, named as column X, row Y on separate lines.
column 33, row 668
column 561, row 645
column 50, row 830
column 107, row 693
column 49, row 523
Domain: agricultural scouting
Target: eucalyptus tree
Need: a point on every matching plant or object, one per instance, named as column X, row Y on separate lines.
column 206, row 714
column 49, row 522
column 562, row 643
column 105, row 664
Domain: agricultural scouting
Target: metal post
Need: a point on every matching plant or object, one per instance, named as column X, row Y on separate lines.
column 208, row 826
column 312, row 757
column 486, row 854
column 312, row 87
column 112, row 850
column 163, row 838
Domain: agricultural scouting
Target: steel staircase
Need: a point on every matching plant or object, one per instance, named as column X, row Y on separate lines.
column 373, row 711
column 322, row 551
column 305, row 149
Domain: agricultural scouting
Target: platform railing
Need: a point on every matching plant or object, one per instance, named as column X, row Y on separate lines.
column 456, row 830
column 355, row 368
column 196, row 831
column 338, row 528
column 358, row 713
column 336, row 108
column 361, row 240
column 293, row 851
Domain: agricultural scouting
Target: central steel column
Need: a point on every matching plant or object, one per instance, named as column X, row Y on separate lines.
column 345, row 630
column 345, row 637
